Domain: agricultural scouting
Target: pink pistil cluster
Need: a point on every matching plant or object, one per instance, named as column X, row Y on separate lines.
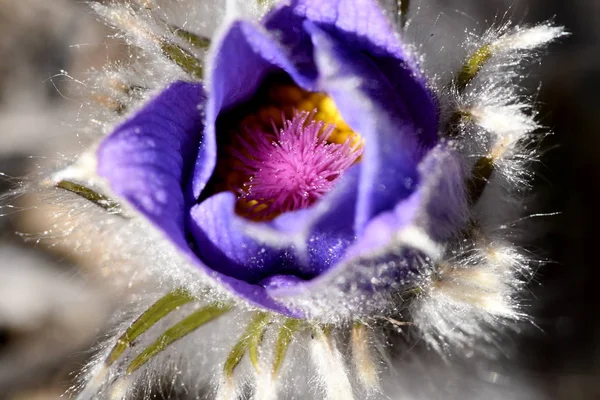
column 291, row 168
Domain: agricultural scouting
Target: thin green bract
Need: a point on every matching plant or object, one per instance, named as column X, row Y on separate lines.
column 178, row 331
column 251, row 336
column 157, row 311
column 286, row 334
column 90, row 195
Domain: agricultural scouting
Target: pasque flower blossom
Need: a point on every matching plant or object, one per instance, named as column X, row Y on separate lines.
column 315, row 125
column 319, row 176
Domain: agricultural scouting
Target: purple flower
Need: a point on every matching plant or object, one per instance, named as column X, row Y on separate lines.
column 308, row 178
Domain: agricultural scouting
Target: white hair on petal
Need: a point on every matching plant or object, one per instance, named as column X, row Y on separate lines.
column 363, row 358
column 529, row 38
column 266, row 386
column 228, row 390
column 331, row 368
column 120, row 389
column 507, row 121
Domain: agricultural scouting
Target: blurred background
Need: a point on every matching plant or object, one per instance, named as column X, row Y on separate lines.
column 53, row 308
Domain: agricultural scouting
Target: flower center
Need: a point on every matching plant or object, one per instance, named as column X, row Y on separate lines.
column 292, row 167
column 281, row 150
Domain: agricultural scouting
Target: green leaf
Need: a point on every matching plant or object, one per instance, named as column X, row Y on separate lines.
column 252, row 335
column 151, row 316
column 403, row 7
column 183, row 58
column 484, row 167
column 177, row 331
column 286, row 334
column 90, row 195
column 255, row 342
column 481, row 173
column 471, row 68
column 192, row 39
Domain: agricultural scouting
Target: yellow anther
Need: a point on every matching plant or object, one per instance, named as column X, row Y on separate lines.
column 250, row 209
column 321, row 116
column 306, row 105
column 327, row 106
column 290, row 98
column 340, row 123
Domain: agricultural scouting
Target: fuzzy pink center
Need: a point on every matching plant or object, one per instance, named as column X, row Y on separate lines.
column 291, row 168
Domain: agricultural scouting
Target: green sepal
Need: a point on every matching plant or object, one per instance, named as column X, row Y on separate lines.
column 251, row 337
column 183, row 58
column 255, row 342
column 197, row 41
column 403, row 6
column 178, row 331
column 484, row 167
column 97, row 198
column 471, row 68
column 151, row 316
column 481, row 173
column 284, row 338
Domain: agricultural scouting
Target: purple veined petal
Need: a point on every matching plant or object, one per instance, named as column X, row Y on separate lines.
column 374, row 109
column 144, row 159
column 242, row 264
column 331, row 232
column 395, row 243
column 222, row 242
column 325, row 230
column 360, row 25
column 256, row 251
column 437, row 208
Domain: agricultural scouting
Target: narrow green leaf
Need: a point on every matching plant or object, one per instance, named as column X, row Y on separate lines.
column 255, row 342
column 484, row 167
column 176, row 332
column 403, row 7
column 471, row 68
column 481, row 173
column 194, row 40
column 157, row 311
column 286, row 334
column 254, row 330
column 183, row 58
column 90, row 195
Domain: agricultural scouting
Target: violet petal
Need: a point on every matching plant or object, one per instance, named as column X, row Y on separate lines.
column 144, row 159
column 359, row 25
